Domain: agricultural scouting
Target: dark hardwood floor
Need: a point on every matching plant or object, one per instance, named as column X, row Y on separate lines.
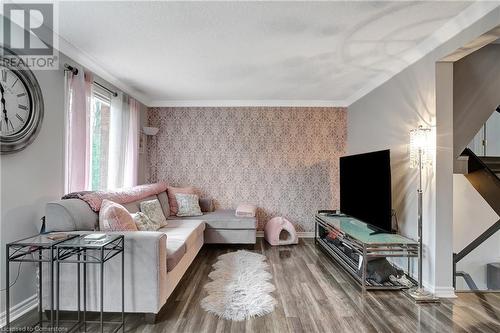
column 314, row 295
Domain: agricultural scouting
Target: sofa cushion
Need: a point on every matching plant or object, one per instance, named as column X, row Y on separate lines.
column 188, row 205
column 143, row 222
column 187, row 231
column 171, row 191
column 176, row 248
column 152, row 208
column 206, row 205
column 163, row 198
column 181, row 236
column 135, row 206
column 224, row 219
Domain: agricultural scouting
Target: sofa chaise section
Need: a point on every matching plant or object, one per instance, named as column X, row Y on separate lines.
column 224, row 227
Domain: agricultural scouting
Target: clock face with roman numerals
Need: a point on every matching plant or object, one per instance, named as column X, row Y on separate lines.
column 15, row 108
column 21, row 104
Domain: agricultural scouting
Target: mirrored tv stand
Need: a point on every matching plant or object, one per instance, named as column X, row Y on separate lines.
column 353, row 243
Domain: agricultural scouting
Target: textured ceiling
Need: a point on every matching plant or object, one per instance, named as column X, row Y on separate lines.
column 250, row 51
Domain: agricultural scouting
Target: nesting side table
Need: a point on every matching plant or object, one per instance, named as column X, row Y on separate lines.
column 37, row 249
column 72, row 249
column 80, row 251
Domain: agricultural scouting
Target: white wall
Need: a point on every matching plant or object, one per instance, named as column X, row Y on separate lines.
column 476, row 84
column 493, row 134
column 472, row 215
column 492, row 137
column 31, row 178
column 382, row 119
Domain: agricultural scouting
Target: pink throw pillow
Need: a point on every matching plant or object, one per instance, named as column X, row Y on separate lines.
column 172, row 201
column 114, row 217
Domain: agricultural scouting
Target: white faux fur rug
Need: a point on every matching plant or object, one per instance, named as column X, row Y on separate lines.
column 239, row 289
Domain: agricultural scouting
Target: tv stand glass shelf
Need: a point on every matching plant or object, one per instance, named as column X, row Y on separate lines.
column 353, row 243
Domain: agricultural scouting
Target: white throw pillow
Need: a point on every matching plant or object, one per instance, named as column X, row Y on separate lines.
column 152, row 209
column 188, row 205
column 143, row 222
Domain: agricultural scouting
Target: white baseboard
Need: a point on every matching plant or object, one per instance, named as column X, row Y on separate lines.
column 19, row 309
column 444, row 292
column 300, row 234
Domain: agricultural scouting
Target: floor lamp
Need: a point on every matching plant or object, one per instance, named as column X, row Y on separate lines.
column 420, row 157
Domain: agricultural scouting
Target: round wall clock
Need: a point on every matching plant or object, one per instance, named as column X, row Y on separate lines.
column 21, row 107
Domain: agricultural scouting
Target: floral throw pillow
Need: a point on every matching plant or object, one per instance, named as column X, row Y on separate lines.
column 172, row 191
column 188, row 205
column 143, row 222
column 152, row 209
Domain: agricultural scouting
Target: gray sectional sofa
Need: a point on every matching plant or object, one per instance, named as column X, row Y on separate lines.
column 155, row 261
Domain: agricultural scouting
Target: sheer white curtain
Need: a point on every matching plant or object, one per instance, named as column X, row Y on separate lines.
column 123, row 142
column 132, row 154
column 78, row 94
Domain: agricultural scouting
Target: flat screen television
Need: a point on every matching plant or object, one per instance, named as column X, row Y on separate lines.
column 365, row 188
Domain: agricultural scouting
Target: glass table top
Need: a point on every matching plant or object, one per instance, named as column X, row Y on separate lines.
column 42, row 240
column 364, row 232
column 82, row 242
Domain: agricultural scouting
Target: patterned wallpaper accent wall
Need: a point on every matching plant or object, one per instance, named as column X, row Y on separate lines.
column 284, row 160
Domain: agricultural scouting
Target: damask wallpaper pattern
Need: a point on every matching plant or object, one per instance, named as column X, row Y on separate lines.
column 284, row 160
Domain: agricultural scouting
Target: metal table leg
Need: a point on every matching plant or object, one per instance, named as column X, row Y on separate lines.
column 102, row 290
column 85, row 290
column 51, row 287
column 78, row 285
column 123, row 286
column 363, row 275
column 40, row 281
column 57, row 289
column 7, row 288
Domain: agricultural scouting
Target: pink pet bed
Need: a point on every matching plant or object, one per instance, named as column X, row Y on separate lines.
column 279, row 231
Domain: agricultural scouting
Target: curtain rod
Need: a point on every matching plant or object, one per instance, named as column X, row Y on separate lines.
column 114, row 93
column 75, row 72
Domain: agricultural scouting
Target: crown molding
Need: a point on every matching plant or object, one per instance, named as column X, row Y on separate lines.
column 466, row 18
column 82, row 58
column 240, row 103
column 452, row 28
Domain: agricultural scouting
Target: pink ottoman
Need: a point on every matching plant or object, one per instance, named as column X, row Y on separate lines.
column 275, row 227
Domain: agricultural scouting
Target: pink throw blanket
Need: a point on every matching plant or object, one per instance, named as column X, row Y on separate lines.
column 122, row 196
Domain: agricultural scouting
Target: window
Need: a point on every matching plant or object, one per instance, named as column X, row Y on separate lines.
column 99, row 140
column 114, row 132
column 101, row 136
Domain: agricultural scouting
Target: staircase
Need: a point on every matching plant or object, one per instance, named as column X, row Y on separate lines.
column 483, row 173
column 493, row 163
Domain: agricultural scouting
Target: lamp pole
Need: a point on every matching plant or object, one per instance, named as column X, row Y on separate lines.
column 419, row 293
column 420, row 208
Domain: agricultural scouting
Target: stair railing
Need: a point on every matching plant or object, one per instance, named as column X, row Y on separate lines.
column 468, row 249
column 476, row 164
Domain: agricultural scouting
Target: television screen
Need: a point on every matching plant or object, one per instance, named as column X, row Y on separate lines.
column 365, row 188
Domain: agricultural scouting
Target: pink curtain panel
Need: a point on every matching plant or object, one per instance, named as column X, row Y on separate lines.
column 274, row 228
